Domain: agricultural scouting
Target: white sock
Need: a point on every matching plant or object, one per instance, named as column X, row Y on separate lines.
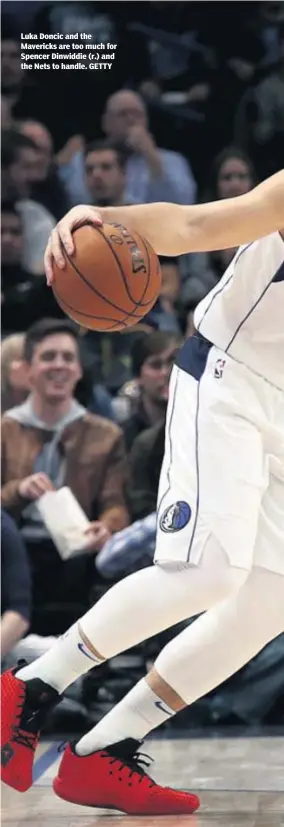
column 199, row 659
column 136, row 608
column 137, row 714
column 69, row 658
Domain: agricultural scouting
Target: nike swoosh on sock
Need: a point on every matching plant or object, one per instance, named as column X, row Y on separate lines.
column 88, row 655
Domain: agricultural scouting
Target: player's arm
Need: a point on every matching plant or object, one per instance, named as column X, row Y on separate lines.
column 173, row 229
column 235, row 221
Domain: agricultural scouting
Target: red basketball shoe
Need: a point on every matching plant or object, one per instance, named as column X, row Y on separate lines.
column 24, row 707
column 113, row 778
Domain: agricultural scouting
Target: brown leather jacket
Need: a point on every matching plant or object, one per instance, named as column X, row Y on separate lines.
column 96, row 466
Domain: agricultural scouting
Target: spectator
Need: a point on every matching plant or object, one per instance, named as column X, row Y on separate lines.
column 187, row 319
column 170, row 282
column 12, row 76
column 47, row 189
column 11, row 235
column 129, row 550
column 19, row 172
column 259, row 124
column 50, row 441
column 179, row 62
column 90, row 391
column 164, row 314
column 24, row 297
column 106, row 23
column 105, row 174
column 153, row 356
column 152, row 174
column 238, row 52
column 29, row 94
column 15, row 586
column 145, row 465
column 19, row 165
column 42, row 140
column 252, row 694
column 101, row 402
column 14, row 382
column 114, row 352
column 16, row 600
column 15, row 386
column 268, row 22
column 134, row 546
column 232, row 174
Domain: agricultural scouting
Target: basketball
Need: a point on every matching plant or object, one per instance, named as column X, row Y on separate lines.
column 111, row 281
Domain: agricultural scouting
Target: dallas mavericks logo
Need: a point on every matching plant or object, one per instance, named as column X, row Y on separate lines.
column 175, row 517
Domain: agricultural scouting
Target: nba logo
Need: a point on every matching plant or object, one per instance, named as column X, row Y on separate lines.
column 219, row 368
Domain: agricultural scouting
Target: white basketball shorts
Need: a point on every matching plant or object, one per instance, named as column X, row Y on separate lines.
column 223, row 468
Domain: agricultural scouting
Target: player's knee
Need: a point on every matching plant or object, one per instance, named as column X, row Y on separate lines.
column 230, row 580
column 216, row 562
column 213, row 582
column 261, row 604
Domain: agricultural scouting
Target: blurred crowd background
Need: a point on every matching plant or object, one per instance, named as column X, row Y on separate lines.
column 192, row 110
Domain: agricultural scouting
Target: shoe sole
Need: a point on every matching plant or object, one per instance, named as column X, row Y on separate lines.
column 116, row 809
column 15, row 787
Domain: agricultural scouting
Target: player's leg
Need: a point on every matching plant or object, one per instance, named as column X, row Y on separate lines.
column 217, row 644
column 229, row 493
column 214, row 647
column 204, row 655
column 136, row 608
column 153, row 599
column 197, row 660
column 106, row 629
column 225, row 638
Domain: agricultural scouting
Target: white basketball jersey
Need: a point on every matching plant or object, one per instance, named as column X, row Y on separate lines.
column 244, row 314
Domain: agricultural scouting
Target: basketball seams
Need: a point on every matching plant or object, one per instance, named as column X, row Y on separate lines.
column 114, row 327
column 139, row 303
column 82, row 312
column 94, row 289
column 89, row 320
column 64, row 304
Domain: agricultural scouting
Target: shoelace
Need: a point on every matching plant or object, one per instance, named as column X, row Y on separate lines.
column 21, row 736
column 133, row 764
column 25, row 740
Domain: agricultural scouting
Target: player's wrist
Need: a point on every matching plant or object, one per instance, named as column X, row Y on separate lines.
column 110, row 214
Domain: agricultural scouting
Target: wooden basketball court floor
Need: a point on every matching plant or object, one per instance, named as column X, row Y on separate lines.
column 240, row 781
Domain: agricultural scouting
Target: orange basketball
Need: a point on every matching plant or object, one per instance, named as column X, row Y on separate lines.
column 111, row 281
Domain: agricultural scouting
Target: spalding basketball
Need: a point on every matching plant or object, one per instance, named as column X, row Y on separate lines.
column 111, row 281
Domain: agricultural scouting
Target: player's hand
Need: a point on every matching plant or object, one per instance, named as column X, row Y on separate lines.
column 62, row 235
column 34, row 486
column 97, row 534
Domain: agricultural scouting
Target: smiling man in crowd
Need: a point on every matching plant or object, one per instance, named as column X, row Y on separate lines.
column 51, row 441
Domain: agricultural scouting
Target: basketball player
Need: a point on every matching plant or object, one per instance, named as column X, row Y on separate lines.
column 220, row 536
